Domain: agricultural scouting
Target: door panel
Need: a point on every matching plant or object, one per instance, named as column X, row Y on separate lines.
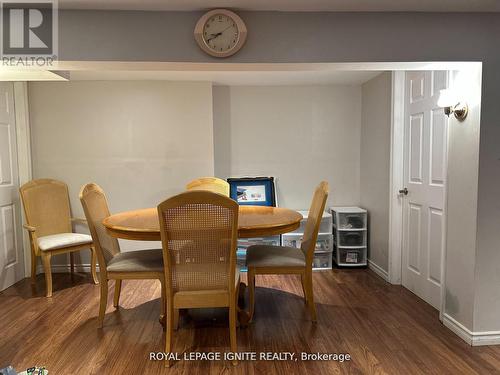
column 8, row 227
column 11, row 256
column 416, row 87
column 415, row 162
column 439, row 133
column 425, row 151
column 414, row 235
column 5, row 154
column 435, row 244
column 439, row 81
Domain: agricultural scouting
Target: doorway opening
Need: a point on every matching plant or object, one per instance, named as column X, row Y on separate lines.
column 371, row 129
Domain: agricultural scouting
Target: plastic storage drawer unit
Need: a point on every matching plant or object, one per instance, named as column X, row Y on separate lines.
column 324, row 242
column 352, row 256
column 354, row 220
column 324, row 227
column 350, row 232
column 322, row 261
column 351, row 238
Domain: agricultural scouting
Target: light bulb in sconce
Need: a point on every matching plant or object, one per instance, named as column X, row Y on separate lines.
column 449, row 100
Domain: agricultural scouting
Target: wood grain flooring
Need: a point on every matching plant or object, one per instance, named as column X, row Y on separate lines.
column 385, row 329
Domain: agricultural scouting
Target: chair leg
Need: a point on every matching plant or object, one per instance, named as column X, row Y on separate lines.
column 232, row 327
column 118, row 289
column 303, row 282
column 251, row 293
column 104, row 300
column 72, row 262
column 176, row 319
column 48, row 272
column 93, row 265
column 163, row 303
column 170, row 331
column 310, row 296
column 33, row 266
column 236, row 300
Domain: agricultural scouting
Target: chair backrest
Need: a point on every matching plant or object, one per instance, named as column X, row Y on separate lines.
column 95, row 206
column 46, row 206
column 199, row 231
column 316, row 210
column 213, row 184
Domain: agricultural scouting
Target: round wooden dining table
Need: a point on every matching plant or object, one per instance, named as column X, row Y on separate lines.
column 253, row 221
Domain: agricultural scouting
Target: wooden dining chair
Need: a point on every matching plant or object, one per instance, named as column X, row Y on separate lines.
column 114, row 264
column 199, row 231
column 49, row 224
column 213, row 184
column 272, row 260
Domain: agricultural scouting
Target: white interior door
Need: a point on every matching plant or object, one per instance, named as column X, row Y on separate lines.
column 11, row 256
column 425, row 163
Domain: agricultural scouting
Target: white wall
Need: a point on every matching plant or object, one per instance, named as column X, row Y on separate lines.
column 298, row 134
column 375, row 163
column 141, row 141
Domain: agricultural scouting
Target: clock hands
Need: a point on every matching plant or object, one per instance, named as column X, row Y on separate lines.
column 216, row 35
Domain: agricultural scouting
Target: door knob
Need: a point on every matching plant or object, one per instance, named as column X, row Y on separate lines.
column 403, row 191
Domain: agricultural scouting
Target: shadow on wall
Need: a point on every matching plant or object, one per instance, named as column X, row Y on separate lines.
column 452, row 303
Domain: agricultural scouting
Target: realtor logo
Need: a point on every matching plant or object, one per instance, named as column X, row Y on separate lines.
column 29, row 32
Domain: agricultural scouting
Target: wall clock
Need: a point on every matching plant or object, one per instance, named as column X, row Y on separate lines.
column 220, row 33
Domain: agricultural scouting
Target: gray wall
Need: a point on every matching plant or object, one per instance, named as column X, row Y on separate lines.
column 375, row 163
column 301, row 135
column 281, row 37
column 336, row 37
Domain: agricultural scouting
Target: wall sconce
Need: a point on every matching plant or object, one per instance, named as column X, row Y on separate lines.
column 451, row 104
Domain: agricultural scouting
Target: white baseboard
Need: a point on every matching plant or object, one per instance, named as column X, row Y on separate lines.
column 470, row 337
column 458, row 328
column 378, row 270
column 486, row 338
column 65, row 268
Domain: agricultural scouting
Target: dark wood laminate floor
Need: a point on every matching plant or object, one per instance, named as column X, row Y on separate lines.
column 385, row 329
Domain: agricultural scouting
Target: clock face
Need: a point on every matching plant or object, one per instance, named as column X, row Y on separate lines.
column 220, row 33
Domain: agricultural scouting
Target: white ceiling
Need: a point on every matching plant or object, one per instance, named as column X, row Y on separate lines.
column 234, row 78
column 292, row 5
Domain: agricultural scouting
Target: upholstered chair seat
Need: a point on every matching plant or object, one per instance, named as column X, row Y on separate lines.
column 61, row 240
column 275, row 256
column 137, row 261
